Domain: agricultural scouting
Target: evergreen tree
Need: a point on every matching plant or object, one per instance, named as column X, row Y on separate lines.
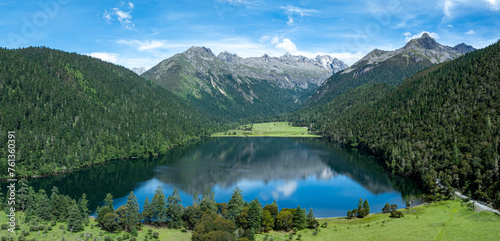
column 175, row 209
column 22, row 195
column 254, row 214
column 83, row 206
column 133, row 218
column 208, row 201
column 235, row 204
column 366, row 206
column 243, row 218
column 146, row 211
column 158, row 207
column 311, row 220
column 108, row 201
column 43, row 206
column 75, row 223
column 299, row 218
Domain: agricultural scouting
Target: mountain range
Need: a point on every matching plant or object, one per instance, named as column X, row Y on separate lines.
column 235, row 87
column 390, row 67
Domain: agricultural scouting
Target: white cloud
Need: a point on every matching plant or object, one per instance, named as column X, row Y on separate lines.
column 470, row 32
column 264, row 39
column 449, row 6
column 301, row 11
column 290, row 20
column 292, row 10
column 123, row 16
column 287, row 45
column 275, row 40
column 450, row 26
column 409, row 36
column 109, row 57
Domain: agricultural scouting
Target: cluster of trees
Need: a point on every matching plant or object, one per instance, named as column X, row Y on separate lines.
column 362, row 211
column 209, row 220
column 392, row 209
column 70, row 111
column 38, row 207
column 441, row 123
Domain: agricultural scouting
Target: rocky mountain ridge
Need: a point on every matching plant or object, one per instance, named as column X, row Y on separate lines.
column 389, row 67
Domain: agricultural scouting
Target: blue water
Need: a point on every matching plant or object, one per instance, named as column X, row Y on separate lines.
column 293, row 171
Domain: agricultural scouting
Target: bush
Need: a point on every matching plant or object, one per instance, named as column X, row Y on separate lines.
column 107, row 238
column 133, row 238
column 133, row 232
column 53, row 223
column 156, row 235
column 4, row 227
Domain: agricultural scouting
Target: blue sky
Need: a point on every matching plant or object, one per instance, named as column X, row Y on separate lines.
column 140, row 33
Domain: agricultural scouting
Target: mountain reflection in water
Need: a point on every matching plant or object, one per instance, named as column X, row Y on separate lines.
column 308, row 172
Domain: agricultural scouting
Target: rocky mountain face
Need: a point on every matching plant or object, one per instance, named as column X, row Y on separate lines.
column 242, row 87
column 390, row 67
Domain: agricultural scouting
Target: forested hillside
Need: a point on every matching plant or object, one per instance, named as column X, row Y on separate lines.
column 70, row 110
column 442, row 123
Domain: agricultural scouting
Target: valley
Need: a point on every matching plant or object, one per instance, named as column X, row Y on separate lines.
column 249, row 120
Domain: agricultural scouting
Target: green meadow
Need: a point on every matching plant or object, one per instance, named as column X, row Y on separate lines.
column 445, row 220
column 271, row 129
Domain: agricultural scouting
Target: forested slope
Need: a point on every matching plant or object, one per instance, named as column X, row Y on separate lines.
column 70, row 110
column 441, row 123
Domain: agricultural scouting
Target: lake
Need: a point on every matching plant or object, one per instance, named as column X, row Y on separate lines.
column 309, row 172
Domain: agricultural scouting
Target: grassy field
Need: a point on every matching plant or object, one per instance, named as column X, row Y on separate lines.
column 57, row 234
column 447, row 220
column 274, row 129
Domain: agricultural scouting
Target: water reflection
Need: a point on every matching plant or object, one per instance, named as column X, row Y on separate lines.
column 293, row 171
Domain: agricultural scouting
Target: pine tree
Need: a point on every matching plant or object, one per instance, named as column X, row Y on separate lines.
column 108, row 201
column 299, row 218
column 235, row 204
column 146, row 211
column 43, row 206
column 175, row 209
column 267, row 221
column 83, row 206
column 75, row 223
column 132, row 219
column 208, row 201
column 158, row 207
column 366, row 206
column 254, row 214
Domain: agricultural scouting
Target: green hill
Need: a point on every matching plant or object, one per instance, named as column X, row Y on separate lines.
column 441, row 123
column 70, row 110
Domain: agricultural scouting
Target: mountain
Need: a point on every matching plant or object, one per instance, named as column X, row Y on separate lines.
column 441, row 123
column 389, row 67
column 69, row 111
column 234, row 87
column 139, row 70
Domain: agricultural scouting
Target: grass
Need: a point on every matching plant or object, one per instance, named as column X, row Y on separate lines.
column 57, row 233
column 447, row 220
column 271, row 129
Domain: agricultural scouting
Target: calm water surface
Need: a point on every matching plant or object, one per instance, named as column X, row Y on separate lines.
column 308, row 172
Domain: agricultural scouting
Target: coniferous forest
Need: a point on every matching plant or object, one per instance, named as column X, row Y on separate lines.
column 70, row 111
column 440, row 124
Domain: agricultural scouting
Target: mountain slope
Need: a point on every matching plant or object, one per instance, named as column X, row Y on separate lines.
column 441, row 123
column 70, row 110
column 389, row 67
column 234, row 87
